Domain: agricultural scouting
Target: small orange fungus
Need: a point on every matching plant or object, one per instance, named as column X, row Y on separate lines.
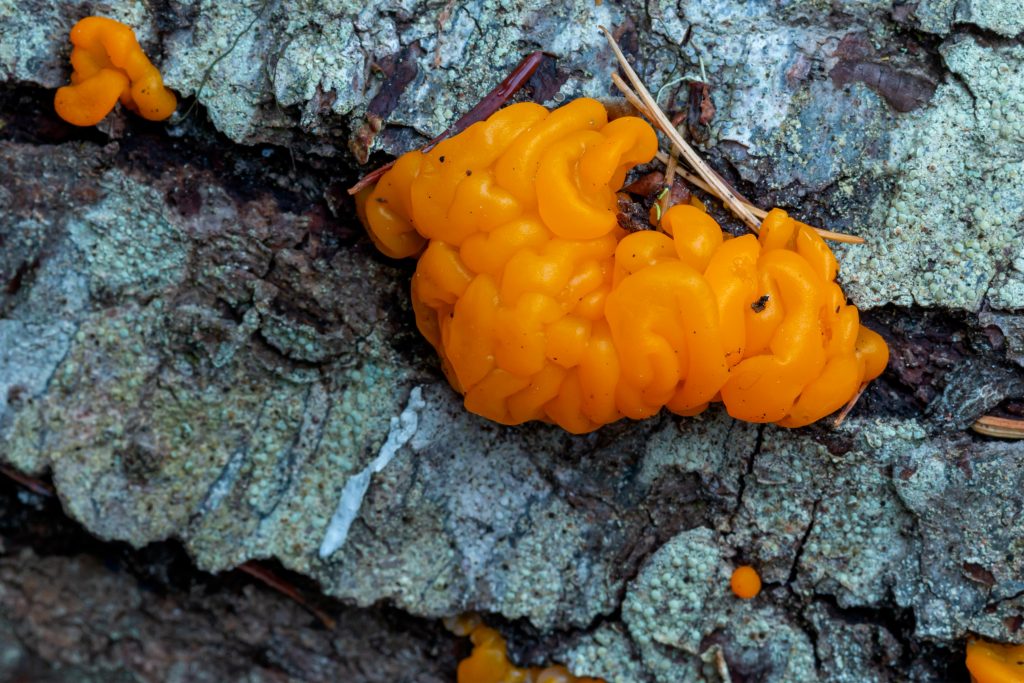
column 543, row 308
column 745, row 582
column 489, row 663
column 109, row 66
column 995, row 662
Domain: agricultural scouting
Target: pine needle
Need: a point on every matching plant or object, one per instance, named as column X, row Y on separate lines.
column 999, row 427
column 708, row 180
column 659, row 119
column 849, row 405
column 759, row 212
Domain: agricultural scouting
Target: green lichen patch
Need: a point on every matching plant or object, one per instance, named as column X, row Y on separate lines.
column 688, row 625
column 607, row 653
column 130, row 249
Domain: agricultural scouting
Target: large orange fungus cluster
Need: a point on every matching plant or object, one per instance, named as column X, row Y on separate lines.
column 109, row 65
column 543, row 308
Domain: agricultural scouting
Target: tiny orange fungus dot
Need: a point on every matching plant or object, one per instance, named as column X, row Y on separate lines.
column 745, row 582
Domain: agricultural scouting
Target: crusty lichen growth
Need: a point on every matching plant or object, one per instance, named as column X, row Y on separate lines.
column 964, row 497
column 682, row 599
column 942, row 236
column 130, row 250
column 607, row 653
column 838, row 515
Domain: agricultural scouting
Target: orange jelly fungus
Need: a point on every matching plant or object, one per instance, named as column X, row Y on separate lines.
column 745, row 582
column 543, row 308
column 109, row 65
column 995, row 662
column 489, row 663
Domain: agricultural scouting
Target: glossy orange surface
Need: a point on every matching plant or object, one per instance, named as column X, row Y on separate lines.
column 109, row 66
column 489, row 663
column 745, row 582
column 543, row 308
column 995, row 662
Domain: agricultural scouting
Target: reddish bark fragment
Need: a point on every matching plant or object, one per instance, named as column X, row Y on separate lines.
column 491, row 103
column 975, row 572
column 700, row 111
column 399, row 71
column 631, row 214
column 858, row 63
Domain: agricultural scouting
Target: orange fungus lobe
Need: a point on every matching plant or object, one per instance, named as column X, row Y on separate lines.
column 109, row 66
column 995, row 662
column 543, row 308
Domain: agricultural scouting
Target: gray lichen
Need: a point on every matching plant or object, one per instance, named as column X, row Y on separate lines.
column 971, row 537
column 946, row 235
column 681, row 606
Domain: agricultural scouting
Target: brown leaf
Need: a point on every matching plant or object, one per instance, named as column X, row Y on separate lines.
column 975, row 572
column 647, row 184
column 858, row 63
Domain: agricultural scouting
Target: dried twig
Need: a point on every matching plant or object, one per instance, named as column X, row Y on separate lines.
column 665, row 200
column 999, row 427
column 702, row 182
column 658, row 117
column 696, row 181
column 632, row 97
column 37, row 486
column 837, row 236
column 286, row 588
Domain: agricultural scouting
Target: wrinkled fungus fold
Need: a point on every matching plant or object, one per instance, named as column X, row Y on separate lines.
column 110, row 66
column 542, row 307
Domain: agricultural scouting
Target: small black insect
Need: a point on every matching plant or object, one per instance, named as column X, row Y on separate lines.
column 759, row 305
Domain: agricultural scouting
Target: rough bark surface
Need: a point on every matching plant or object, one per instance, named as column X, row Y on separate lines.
column 198, row 343
column 74, row 609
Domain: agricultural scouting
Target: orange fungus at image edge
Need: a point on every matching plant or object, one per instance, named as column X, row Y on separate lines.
column 489, row 663
column 543, row 308
column 110, row 66
column 995, row 662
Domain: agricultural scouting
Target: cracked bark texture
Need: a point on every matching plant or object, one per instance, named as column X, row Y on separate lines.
column 73, row 609
column 198, row 343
